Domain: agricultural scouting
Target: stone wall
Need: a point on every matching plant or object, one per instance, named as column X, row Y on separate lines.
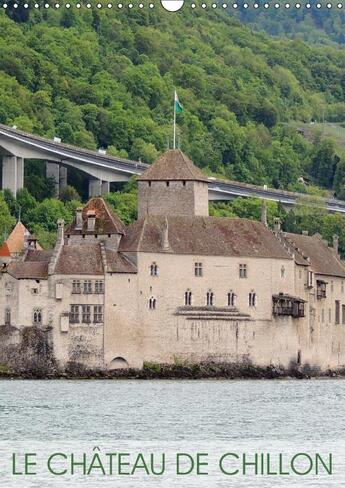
column 172, row 198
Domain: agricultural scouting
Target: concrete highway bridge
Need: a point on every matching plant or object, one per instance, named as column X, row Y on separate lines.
column 102, row 169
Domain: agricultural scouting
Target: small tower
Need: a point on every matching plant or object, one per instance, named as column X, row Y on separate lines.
column 173, row 185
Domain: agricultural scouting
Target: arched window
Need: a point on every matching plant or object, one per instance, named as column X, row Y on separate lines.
column 210, row 298
column 231, row 299
column 152, row 303
column 37, row 316
column 252, row 299
column 154, row 269
column 7, row 316
column 188, row 298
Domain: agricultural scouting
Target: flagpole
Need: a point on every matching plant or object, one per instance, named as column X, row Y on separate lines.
column 174, row 144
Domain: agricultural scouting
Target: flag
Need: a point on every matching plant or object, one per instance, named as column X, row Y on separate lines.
column 177, row 104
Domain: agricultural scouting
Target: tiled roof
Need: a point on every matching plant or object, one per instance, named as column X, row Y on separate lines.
column 118, row 263
column 4, row 250
column 173, row 165
column 34, row 267
column 210, row 236
column 15, row 241
column 106, row 221
column 322, row 258
column 28, row 270
column 85, row 259
column 294, row 252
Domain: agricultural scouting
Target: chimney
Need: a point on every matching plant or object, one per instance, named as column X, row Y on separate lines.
column 277, row 225
column 336, row 244
column 27, row 236
column 264, row 212
column 165, row 236
column 79, row 219
column 32, row 243
column 305, row 233
column 91, row 221
column 58, row 246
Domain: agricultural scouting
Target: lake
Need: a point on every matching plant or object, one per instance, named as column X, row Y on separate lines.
column 152, row 418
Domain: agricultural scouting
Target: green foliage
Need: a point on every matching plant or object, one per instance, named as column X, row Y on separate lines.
column 6, row 220
column 106, row 79
column 68, row 194
column 324, row 163
column 47, row 213
column 124, row 205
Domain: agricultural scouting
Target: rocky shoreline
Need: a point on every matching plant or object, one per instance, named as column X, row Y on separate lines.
column 153, row 371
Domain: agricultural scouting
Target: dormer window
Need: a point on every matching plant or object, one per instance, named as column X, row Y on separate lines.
column 154, row 269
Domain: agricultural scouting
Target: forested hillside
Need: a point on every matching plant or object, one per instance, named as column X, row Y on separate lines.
column 320, row 25
column 105, row 79
column 101, row 78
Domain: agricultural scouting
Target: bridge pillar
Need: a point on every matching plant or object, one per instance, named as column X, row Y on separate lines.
column 95, row 187
column 12, row 173
column 20, row 173
column 105, row 187
column 63, row 177
column 53, row 171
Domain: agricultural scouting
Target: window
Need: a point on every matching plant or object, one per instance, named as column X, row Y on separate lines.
column 321, row 289
column 252, row 299
column 37, row 316
column 209, row 298
column 97, row 314
column 188, row 298
column 282, row 272
column 154, row 269
column 323, row 315
column 99, row 286
column 231, row 299
column 86, row 314
column 7, row 316
column 74, row 314
column 76, row 286
column 152, row 303
column 300, row 274
column 343, row 314
column 329, row 315
column 310, row 283
column 198, row 269
column 87, row 287
column 243, row 270
column 337, row 312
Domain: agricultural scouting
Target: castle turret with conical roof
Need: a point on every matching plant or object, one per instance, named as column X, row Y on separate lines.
column 173, row 185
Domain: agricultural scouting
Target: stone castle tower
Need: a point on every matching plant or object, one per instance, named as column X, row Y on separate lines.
column 173, row 185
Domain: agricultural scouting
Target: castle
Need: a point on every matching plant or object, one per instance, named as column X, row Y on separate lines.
column 177, row 284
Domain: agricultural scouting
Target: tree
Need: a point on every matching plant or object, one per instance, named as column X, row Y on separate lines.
column 68, row 194
column 6, row 219
column 324, row 162
column 48, row 212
